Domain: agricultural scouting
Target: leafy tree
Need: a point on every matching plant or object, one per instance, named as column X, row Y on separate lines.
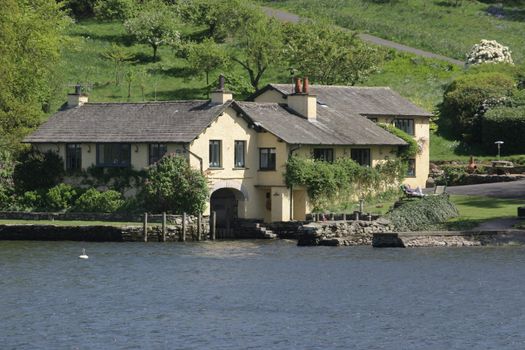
column 130, row 78
column 79, row 8
column 220, row 17
column 31, row 37
column 117, row 55
column 154, row 24
column 173, row 186
column 206, row 57
column 114, row 9
column 259, row 45
column 7, row 167
column 464, row 103
column 36, row 170
column 329, row 55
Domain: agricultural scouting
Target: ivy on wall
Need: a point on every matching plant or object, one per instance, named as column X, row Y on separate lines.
column 403, row 152
column 342, row 181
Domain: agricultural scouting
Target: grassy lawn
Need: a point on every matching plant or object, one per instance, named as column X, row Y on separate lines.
column 476, row 209
column 435, row 26
column 68, row 223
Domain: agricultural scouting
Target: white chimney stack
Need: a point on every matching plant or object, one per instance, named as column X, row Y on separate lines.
column 76, row 99
column 301, row 101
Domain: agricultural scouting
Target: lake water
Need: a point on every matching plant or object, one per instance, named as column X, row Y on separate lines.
column 259, row 295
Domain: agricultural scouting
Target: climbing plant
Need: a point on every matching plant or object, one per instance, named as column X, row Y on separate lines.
column 332, row 184
column 403, row 152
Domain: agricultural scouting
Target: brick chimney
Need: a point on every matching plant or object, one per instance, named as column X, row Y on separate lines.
column 76, row 99
column 220, row 95
column 301, row 101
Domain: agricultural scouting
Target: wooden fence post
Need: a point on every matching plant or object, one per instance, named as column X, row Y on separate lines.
column 199, row 226
column 183, row 238
column 164, row 227
column 213, row 222
column 145, row 227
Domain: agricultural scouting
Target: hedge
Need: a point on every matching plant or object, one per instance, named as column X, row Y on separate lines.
column 423, row 213
column 505, row 124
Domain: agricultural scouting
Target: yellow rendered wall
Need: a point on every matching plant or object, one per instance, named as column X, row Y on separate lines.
column 228, row 128
column 422, row 136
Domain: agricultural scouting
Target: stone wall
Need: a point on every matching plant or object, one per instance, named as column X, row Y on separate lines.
column 94, row 233
column 448, row 239
column 338, row 233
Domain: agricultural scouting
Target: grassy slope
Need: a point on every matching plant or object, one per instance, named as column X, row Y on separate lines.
column 168, row 79
column 424, row 24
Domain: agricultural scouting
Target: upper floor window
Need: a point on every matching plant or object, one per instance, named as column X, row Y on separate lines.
column 156, row 152
column 407, row 125
column 325, row 154
column 239, row 156
column 411, row 171
column 215, row 153
column 114, row 155
column 73, row 156
column 361, row 156
column 267, row 159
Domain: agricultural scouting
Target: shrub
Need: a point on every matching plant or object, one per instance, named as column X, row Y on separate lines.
column 464, row 98
column 173, row 186
column 60, row 197
column 489, row 51
column 7, row 166
column 29, row 201
column 36, row 170
column 422, row 214
column 114, row 9
column 505, row 124
column 99, row 202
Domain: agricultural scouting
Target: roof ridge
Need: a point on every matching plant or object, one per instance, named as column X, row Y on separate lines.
column 144, row 102
column 340, row 86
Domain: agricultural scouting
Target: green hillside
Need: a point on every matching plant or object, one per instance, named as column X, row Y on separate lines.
column 436, row 26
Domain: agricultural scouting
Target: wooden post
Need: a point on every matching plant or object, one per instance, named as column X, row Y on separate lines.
column 199, row 226
column 183, row 238
column 164, row 227
column 344, row 216
column 213, row 222
column 145, row 227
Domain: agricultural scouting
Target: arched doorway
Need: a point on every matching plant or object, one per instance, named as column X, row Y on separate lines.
column 225, row 203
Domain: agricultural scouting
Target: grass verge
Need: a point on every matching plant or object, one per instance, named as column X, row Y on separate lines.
column 69, row 223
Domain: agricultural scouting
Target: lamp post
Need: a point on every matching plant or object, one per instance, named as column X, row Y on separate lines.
column 499, row 143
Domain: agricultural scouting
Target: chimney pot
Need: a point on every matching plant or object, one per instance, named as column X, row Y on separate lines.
column 306, row 86
column 221, row 82
column 298, row 85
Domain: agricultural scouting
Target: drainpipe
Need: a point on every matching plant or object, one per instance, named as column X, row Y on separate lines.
column 185, row 147
column 293, row 149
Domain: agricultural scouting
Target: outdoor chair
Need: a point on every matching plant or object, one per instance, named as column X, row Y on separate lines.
column 438, row 190
column 412, row 193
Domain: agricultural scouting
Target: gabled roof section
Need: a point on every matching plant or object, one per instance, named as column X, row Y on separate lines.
column 361, row 100
column 174, row 121
column 330, row 128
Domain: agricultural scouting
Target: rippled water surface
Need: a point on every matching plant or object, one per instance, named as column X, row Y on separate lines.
column 259, row 295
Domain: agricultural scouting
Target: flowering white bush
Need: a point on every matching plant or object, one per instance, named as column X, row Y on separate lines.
column 489, row 51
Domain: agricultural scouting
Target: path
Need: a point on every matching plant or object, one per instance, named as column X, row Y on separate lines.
column 290, row 17
column 497, row 225
column 510, row 190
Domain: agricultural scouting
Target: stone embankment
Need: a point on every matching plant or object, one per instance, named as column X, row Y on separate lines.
column 448, row 239
column 342, row 233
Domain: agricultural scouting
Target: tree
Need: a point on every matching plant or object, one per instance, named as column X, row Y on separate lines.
column 114, row 9
column 31, row 37
column 206, row 57
column 329, row 55
column 49, row 167
column 259, row 45
column 154, row 24
column 117, row 55
column 173, row 186
column 466, row 99
column 220, row 17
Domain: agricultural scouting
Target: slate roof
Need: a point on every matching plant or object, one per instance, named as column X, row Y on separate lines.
column 177, row 121
column 330, row 128
column 362, row 100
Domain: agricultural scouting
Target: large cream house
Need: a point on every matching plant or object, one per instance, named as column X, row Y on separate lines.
column 242, row 147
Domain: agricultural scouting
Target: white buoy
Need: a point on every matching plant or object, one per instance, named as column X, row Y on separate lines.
column 83, row 256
